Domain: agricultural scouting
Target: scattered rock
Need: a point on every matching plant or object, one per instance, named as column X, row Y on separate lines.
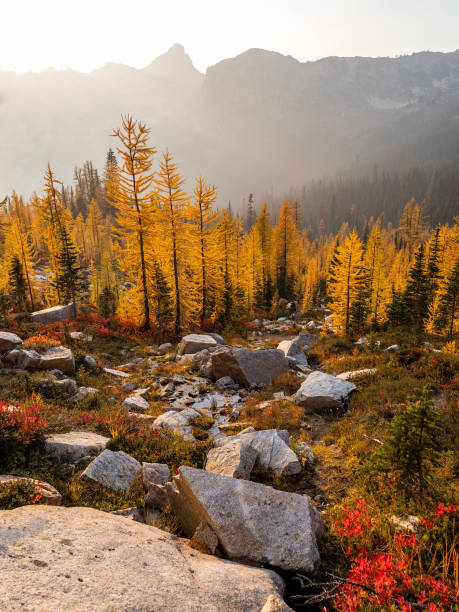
column 304, row 451
column 50, row 315
column 117, row 565
column 49, row 495
column 157, row 497
column 247, row 367
column 408, row 524
column 253, row 522
column 57, row 357
column 90, row 361
column 75, row 445
column 357, row 374
column 9, row 341
column 226, row 382
column 217, row 337
column 236, row 459
column 114, row 470
column 164, row 348
column 78, row 335
column 362, row 340
column 178, row 422
column 155, row 474
column 117, row 373
column 322, row 391
column 272, row 448
column 193, row 343
column 293, row 351
column 393, row 348
column 136, row 402
column 82, row 394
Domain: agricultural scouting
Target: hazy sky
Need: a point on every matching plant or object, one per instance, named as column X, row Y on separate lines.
column 85, row 34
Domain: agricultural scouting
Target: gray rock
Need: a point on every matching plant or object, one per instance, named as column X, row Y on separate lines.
column 225, row 382
column 78, row 335
column 351, row 374
column 293, row 351
column 157, row 497
column 57, row 357
column 82, row 394
column 193, row 343
column 89, row 361
column 117, row 373
column 50, row 315
column 304, row 339
column 235, row 459
column 253, row 522
column 247, row 367
column 164, row 348
column 48, row 494
column 217, row 337
column 75, row 445
column 305, row 451
column 114, row 470
column 178, row 422
column 393, row 348
column 136, row 402
column 272, row 449
column 66, row 385
column 9, row 341
column 155, row 474
column 117, row 564
column 322, row 391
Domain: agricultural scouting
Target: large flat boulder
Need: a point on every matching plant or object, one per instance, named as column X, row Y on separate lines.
column 236, row 459
column 322, row 391
column 53, row 314
column 114, row 470
column 8, row 341
column 253, row 522
column 271, row 447
column 247, row 367
column 194, row 343
column 55, row 358
column 75, row 445
column 92, row 561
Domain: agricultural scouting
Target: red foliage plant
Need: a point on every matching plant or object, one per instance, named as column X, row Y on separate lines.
column 392, row 579
column 24, row 423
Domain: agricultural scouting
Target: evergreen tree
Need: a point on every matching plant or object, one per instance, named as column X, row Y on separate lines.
column 433, row 269
column 449, row 300
column 410, row 449
column 69, row 278
column 417, row 291
column 251, row 215
column 17, row 283
column 107, row 302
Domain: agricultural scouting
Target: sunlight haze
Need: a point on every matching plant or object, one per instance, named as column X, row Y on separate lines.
column 85, row 36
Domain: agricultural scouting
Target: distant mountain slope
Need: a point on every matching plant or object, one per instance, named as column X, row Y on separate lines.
column 256, row 122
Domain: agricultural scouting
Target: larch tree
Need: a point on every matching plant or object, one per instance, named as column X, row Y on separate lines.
column 131, row 194
column 204, row 251
column 346, row 278
column 172, row 201
column 285, row 241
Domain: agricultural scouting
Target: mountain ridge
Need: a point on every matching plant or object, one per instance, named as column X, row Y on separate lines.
column 259, row 121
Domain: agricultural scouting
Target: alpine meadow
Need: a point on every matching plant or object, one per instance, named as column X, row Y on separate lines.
column 229, row 339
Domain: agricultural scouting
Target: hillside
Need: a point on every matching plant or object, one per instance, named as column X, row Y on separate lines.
column 263, row 121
